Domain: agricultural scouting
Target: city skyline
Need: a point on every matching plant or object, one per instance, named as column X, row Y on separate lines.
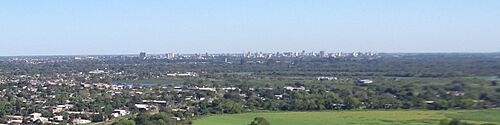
column 128, row 27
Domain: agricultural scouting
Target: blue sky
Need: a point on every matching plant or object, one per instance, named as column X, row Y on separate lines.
column 66, row 27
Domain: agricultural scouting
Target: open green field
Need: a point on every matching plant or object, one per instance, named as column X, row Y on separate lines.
column 398, row 117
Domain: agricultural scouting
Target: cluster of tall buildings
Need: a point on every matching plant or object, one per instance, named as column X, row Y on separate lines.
column 320, row 54
column 142, row 55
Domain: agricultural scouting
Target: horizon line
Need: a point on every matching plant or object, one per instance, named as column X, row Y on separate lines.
column 129, row 54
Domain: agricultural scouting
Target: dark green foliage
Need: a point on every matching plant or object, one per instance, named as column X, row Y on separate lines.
column 161, row 118
column 124, row 122
column 259, row 121
column 97, row 118
column 454, row 121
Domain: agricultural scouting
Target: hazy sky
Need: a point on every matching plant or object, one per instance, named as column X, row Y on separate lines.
column 53, row 27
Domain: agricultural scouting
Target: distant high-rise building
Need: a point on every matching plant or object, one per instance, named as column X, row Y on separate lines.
column 260, row 55
column 170, row 55
column 355, row 54
column 248, row 55
column 142, row 55
column 198, row 56
column 322, row 54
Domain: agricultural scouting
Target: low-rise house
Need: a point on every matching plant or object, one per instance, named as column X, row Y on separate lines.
column 80, row 121
column 179, row 110
column 119, row 113
column 58, row 118
column 268, row 88
column 229, row 88
column 290, row 88
column 143, row 107
column 56, row 109
column 203, row 88
column 429, row 102
column 97, row 71
column 102, row 85
column 207, row 89
column 178, row 89
column 364, row 82
column 322, row 78
column 117, row 87
column 38, row 116
column 12, row 119
column 154, row 101
column 188, row 98
column 455, row 93
column 35, row 115
column 86, row 85
column 243, row 95
column 175, row 118
column 279, row 96
column 60, row 108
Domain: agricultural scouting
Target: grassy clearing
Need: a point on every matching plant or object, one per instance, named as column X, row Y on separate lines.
column 492, row 116
column 412, row 117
